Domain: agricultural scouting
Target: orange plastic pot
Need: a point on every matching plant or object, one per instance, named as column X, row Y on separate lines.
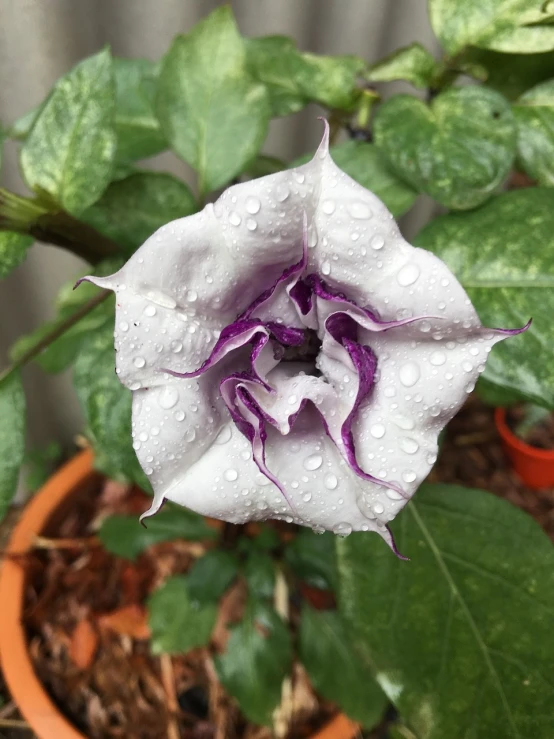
column 534, row 466
column 26, row 689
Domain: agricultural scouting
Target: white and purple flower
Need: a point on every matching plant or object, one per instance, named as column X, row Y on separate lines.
column 291, row 356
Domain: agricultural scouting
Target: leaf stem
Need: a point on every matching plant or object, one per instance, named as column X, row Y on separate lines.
column 56, row 332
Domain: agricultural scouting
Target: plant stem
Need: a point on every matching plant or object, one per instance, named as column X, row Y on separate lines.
column 48, row 223
column 56, row 332
column 282, row 716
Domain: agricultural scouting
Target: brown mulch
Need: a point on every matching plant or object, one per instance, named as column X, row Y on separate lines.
column 88, row 632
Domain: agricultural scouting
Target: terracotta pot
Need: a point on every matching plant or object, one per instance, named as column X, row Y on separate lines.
column 534, row 466
column 25, row 688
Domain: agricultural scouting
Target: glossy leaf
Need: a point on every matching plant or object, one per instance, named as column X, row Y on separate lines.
column 458, row 150
column 412, row 63
column 332, row 80
column 460, row 636
column 107, row 408
column 312, row 559
column 178, row 623
column 125, row 537
column 212, row 111
column 13, row 251
column 503, row 254
column 256, row 661
column 70, row 150
column 211, row 575
column 367, row 165
column 512, row 74
column 534, row 113
column 139, row 134
column 12, row 437
column 335, row 668
column 515, row 26
column 259, row 572
column 133, row 208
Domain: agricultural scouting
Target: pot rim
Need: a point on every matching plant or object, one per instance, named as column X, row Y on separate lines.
column 513, row 441
column 26, row 689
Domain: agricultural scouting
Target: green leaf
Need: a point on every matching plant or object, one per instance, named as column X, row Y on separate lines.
column 512, row 74
column 12, row 437
column 460, row 636
column 293, row 78
column 458, row 150
column 514, row 26
column 335, row 668
column 534, row 114
column 178, row 623
column 412, row 63
column 70, row 150
column 139, row 134
column 213, row 113
column 39, row 463
column 495, row 395
column 13, row 250
column 125, row 537
column 259, row 572
column 365, row 164
column 264, row 165
column 312, row 558
column 133, row 208
column 493, row 252
column 257, row 659
column 61, row 352
column 210, row 576
column 107, row 408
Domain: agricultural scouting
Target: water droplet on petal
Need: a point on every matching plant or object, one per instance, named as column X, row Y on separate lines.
column 328, row 207
column 251, row 224
column 307, row 497
column 299, row 177
column 342, row 529
column 149, row 311
column 234, row 218
column 403, row 422
column 230, row 475
column 437, row 358
column 377, row 430
column 409, row 476
column 224, row 435
column 377, row 242
column 176, row 347
column 409, row 374
column 408, row 275
column 139, row 362
column 331, row 482
column 393, row 494
column 313, row 462
column 410, row 446
column 360, row 210
column 282, row 192
column 467, row 366
column 190, row 435
column 379, row 508
column 123, row 326
column 253, row 205
column 161, row 299
column 180, row 415
column 134, row 386
column 192, row 296
column 168, row 397
column 326, row 268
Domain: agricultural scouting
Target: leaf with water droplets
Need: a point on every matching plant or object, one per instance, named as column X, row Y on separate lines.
column 493, row 252
column 462, row 634
column 458, row 150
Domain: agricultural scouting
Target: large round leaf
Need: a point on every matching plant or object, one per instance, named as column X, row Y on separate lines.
column 458, row 150
column 503, row 254
column 461, row 636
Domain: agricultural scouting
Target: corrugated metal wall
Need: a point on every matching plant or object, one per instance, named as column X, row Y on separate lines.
column 41, row 39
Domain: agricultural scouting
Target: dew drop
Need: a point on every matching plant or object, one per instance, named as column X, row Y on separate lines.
column 409, row 476
column 377, row 430
column 139, row 362
column 331, row 482
column 134, row 386
column 161, row 299
column 403, row 422
column 409, row 374
column 377, row 242
column 251, row 224
column 190, row 435
column 234, row 218
column 326, row 268
column 176, row 347
column 123, row 326
column 168, row 397
column 410, row 446
column 379, row 508
column 407, row 275
column 328, row 207
column 313, row 462
column 437, row 358
column 230, row 475
column 149, row 311
column 192, row 296
column 299, row 177
column 282, row 192
column 180, row 415
column 467, row 366
column 393, row 494
column 253, row 205
column 342, row 529
column 307, row 497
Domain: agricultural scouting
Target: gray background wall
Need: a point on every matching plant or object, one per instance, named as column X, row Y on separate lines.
column 41, row 39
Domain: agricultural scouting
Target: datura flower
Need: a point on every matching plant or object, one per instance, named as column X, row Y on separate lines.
column 291, row 356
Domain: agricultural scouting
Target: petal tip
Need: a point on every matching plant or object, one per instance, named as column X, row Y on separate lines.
column 323, row 148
